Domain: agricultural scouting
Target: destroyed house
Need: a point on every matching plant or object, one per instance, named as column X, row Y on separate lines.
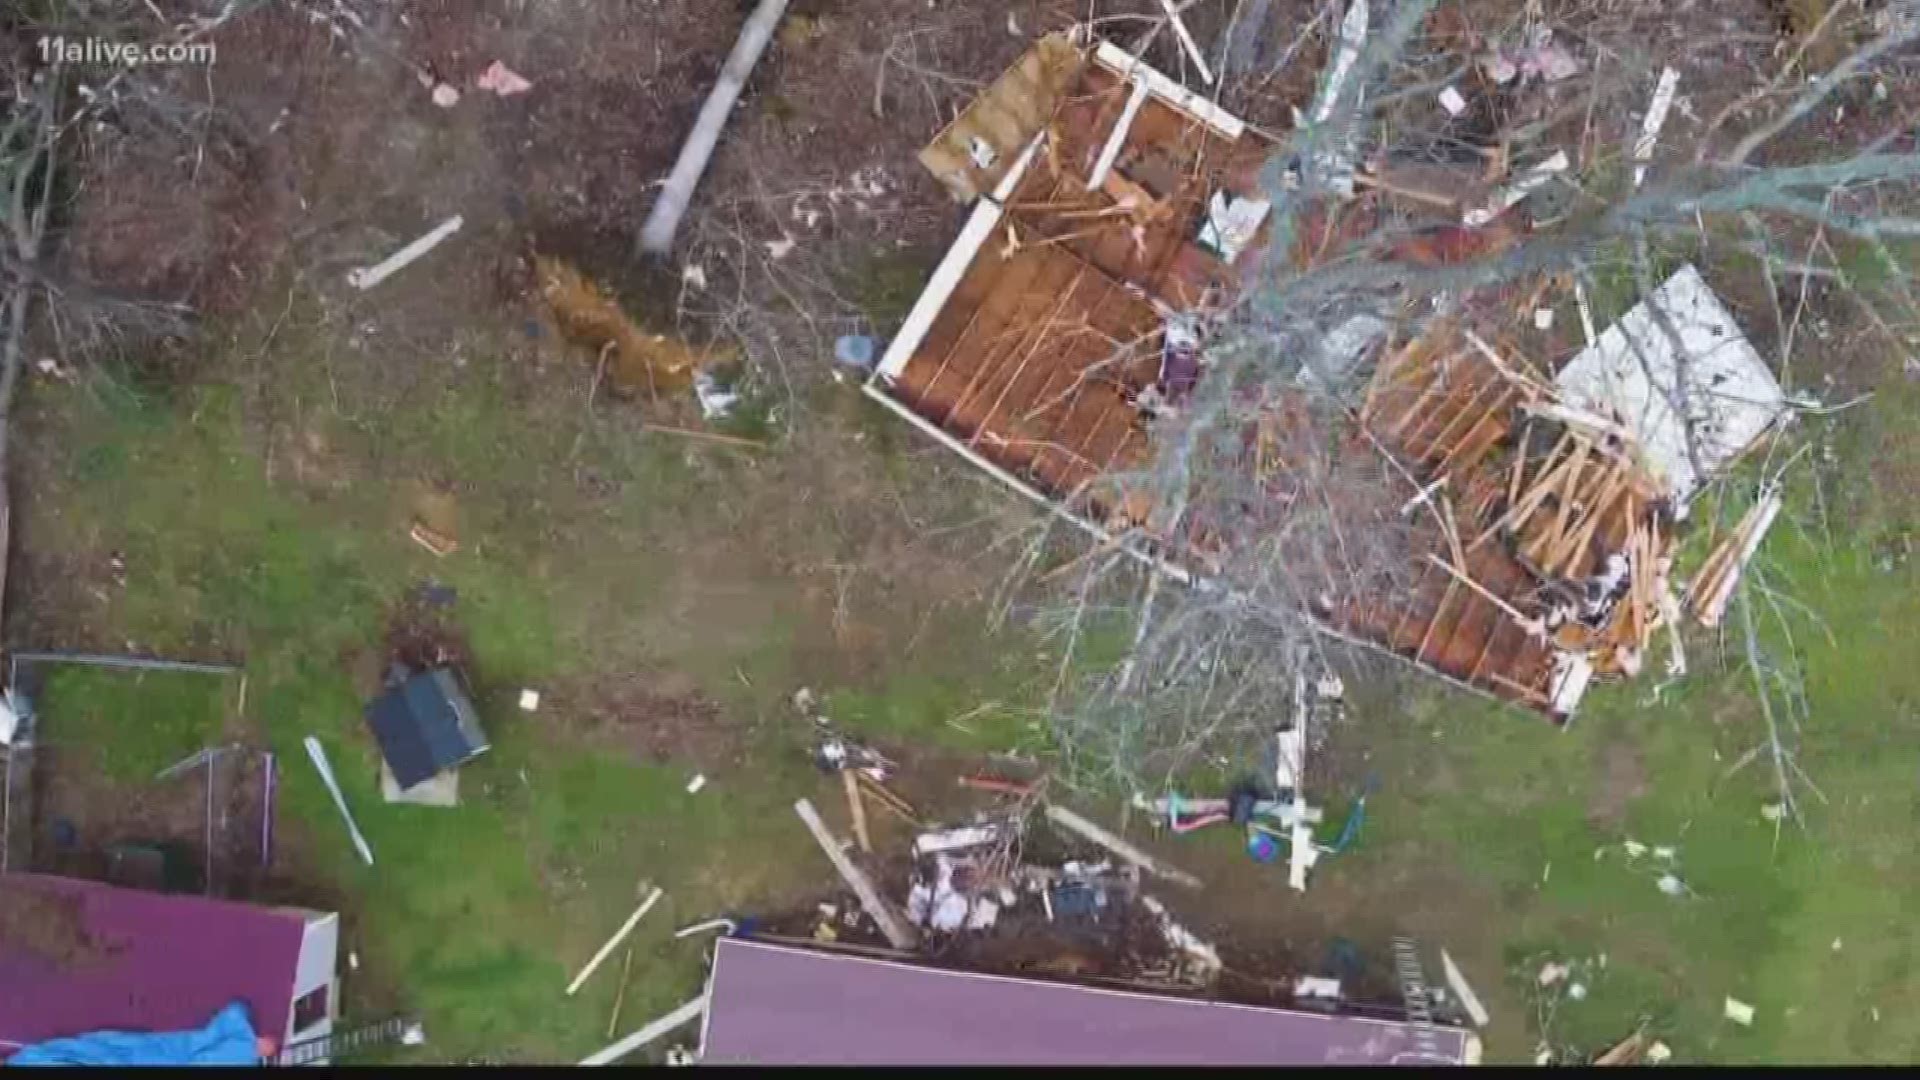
column 1116, row 203
column 78, row 957
column 772, row 1004
column 1117, row 214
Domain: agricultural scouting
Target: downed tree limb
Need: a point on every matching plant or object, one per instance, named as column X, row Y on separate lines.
column 899, row 934
column 663, row 221
column 685, row 1014
column 1081, row 827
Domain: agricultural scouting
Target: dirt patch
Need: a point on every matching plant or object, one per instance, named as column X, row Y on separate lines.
column 1619, row 779
column 658, row 717
column 88, row 826
column 422, row 634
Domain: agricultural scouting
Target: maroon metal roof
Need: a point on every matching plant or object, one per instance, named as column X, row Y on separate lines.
column 775, row 1005
column 150, row 961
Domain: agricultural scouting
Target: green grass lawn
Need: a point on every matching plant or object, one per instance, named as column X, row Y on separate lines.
column 476, row 917
column 1492, row 834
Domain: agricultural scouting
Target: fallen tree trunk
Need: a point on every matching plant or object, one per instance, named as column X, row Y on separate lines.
column 656, row 237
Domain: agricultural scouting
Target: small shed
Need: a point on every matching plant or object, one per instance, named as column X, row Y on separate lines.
column 426, row 725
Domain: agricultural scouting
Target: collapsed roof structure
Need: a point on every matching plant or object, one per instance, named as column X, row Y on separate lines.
column 1117, row 214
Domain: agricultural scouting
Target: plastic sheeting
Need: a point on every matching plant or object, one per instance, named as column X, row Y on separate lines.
column 227, row 1039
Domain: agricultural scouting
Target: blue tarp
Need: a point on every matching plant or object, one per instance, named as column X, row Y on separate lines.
column 226, row 1040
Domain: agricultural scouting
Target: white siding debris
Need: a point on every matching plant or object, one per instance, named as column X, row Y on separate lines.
column 1688, row 378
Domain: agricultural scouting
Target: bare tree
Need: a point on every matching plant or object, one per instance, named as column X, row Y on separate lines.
column 1208, row 669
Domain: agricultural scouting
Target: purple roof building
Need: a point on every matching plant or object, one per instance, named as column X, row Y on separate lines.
column 79, row 956
column 777, row 1005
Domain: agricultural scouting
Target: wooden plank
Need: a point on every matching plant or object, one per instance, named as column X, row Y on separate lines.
column 857, row 809
column 899, row 934
column 613, row 942
column 1080, row 826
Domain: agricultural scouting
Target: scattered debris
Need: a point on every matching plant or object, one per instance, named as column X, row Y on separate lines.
column 898, row 933
column 856, row 351
column 1577, row 991
column 1203, row 957
column 1713, row 586
column 656, row 236
column 366, row 278
column 613, row 942
column 1080, row 826
column 1659, row 1053
column 1552, row 972
column 685, row 1014
column 716, row 401
column 1543, row 318
column 1628, row 1051
column 438, row 543
column 1656, row 118
column 1451, row 101
column 318, row 754
column 694, row 785
column 1631, row 376
column 1519, row 190
column 445, row 96
column 529, row 700
column 1469, row 1000
column 502, row 80
column 1739, row 1012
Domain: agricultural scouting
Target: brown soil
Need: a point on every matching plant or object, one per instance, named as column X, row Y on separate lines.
column 1620, row 778
column 655, row 716
column 80, row 813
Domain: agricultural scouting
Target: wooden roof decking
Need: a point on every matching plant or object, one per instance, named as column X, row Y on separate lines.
column 1534, row 508
column 1035, row 358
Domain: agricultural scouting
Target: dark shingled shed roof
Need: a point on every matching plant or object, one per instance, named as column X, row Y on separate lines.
column 775, row 1005
column 424, row 726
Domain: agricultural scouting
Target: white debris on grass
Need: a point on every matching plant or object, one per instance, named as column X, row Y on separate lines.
column 529, row 700
column 1739, row 1012
column 694, row 785
column 1179, row 937
column 1659, row 1053
column 1451, row 101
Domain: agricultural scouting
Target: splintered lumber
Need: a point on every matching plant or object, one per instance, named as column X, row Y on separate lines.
column 1081, row 827
column 685, row 1014
column 888, row 801
column 857, row 809
column 656, row 236
column 899, row 934
column 1533, row 627
column 613, row 942
column 1711, row 594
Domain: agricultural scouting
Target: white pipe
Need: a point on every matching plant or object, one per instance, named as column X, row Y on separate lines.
column 683, row 1014
column 664, row 220
column 367, row 277
column 319, row 755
